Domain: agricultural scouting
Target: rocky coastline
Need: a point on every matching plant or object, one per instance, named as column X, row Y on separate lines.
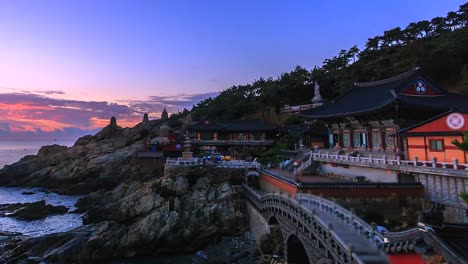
column 130, row 208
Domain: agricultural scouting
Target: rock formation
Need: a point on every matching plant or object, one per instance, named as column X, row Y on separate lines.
column 164, row 115
column 31, row 211
column 94, row 162
column 145, row 118
column 163, row 215
column 131, row 209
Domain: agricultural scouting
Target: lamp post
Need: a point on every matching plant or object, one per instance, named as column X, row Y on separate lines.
column 297, row 172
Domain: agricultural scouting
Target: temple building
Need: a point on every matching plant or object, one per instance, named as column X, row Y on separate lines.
column 432, row 139
column 311, row 135
column 228, row 137
column 371, row 113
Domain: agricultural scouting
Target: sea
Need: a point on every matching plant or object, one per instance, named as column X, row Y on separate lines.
column 12, row 151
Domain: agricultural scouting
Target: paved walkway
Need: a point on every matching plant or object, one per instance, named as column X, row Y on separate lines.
column 311, row 178
column 349, row 236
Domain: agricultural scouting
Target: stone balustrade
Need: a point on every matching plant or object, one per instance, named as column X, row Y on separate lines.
column 308, row 213
column 192, row 162
column 432, row 167
column 296, row 108
column 239, row 142
column 322, row 220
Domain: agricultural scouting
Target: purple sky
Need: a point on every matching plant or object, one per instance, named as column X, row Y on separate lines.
column 84, row 61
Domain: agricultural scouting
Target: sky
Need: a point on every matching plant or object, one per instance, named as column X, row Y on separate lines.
column 66, row 67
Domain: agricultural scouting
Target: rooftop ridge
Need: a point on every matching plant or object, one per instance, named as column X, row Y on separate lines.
column 388, row 80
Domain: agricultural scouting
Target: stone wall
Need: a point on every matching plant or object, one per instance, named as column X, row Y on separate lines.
column 271, row 184
column 445, row 190
column 361, row 191
column 235, row 175
column 258, row 225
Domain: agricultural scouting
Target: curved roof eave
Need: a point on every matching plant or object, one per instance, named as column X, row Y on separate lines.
column 374, row 109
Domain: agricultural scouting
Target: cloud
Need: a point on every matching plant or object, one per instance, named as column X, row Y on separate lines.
column 154, row 105
column 35, row 114
column 27, row 113
column 52, row 92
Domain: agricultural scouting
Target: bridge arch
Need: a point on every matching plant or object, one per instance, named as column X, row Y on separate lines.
column 272, row 243
column 312, row 221
column 295, row 251
column 273, row 221
column 252, row 179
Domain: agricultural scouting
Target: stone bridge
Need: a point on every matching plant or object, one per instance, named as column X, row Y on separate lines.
column 316, row 230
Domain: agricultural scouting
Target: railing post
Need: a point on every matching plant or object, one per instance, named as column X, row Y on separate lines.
column 350, row 253
column 398, row 160
column 370, row 158
column 351, row 216
column 372, row 233
column 455, row 163
column 359, row 157
column 415, row 161
column 384, row 159
column 434, row 162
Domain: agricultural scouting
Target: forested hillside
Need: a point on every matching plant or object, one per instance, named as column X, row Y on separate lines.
column 439, row 46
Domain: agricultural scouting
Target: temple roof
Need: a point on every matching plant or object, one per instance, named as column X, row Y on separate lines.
column 374, row 96
column 231, row 125
column 314, row 130
column 408, row 131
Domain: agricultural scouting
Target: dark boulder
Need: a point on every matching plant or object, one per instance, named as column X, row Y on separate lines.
column 31, row 211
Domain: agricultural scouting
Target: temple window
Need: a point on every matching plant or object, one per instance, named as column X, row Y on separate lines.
column 360, row 140
column 436, row 144
column 206, row 135
column 357, row 140
column 389, row 139
column 345, row 140
column 376, row 138
column 257, row 136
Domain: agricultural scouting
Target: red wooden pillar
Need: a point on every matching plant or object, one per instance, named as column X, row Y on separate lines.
column 369, row 138
column 383, row 144
column 340, row 138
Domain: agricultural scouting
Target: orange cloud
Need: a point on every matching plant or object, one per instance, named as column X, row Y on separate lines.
column 23, row 106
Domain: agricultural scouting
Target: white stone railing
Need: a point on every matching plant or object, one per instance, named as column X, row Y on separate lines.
column 184, row 162
column 233, row 164
column 305, row 211
column 234, row 141
column 296, row 108
column 455, row 165
column 344, row 215
column 305, row 208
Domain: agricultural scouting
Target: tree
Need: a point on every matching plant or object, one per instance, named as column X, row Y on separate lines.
column 411, row 32
column 452, row 21
column 462, row 15
column 373, row 43
column 424, row 26
column 439, row 25
column 393, row 36
column 463, row 145
column 464, row 196
column 344, row 57
column 353, row 53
